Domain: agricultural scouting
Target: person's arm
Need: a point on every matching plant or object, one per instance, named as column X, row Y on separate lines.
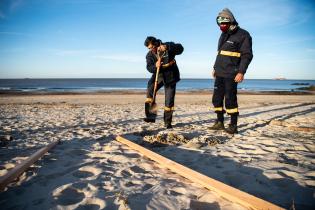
column 218, row 48
column 174, row 48
column 213, row 73
column 246, row 54
column 151, row 64
column 246, row 57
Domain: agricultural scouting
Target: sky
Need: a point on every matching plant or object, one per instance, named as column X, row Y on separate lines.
column 105, row 38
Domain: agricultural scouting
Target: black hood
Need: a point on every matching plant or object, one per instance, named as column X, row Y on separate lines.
column 228, row 14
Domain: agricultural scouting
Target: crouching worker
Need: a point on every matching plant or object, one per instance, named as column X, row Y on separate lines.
column 234, row 56
column 162, row 56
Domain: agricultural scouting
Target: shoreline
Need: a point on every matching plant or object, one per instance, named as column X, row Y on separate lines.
column 126, row 98
column 141, row 92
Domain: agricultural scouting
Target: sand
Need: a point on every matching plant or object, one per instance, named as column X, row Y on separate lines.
column 272, row 157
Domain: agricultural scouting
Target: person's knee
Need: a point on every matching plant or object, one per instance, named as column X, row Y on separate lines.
column 217, row 103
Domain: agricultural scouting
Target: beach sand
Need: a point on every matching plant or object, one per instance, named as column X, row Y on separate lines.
column 272, row 157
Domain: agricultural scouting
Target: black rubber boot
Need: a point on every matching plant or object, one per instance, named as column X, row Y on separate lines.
column 150, row 117
column 149, row 120
column 168, row 119
column 231, row 129
column 218, row 125
column 234, row 117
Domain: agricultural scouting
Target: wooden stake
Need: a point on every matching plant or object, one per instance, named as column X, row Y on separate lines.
column 226, row 191
column 19, row 169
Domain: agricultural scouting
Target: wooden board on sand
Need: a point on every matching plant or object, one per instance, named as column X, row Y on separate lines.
column 226, row 191
column 19, row 169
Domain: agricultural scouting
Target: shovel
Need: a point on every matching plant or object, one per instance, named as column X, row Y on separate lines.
column 153, row 105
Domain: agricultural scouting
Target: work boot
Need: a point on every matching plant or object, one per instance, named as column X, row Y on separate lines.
column 232, row 129
column 218, row 125
column 150, row 117
column 169, row 126
column 149, row 120
column 168, row 119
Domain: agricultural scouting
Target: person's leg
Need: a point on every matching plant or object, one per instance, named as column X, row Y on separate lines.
column 150, row 117
column 217, row 101
column 170, row 91
column 231, row 104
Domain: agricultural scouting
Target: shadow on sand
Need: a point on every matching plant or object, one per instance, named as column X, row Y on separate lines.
column 280, row 191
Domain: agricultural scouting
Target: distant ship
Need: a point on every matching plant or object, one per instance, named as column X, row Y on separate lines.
column 279, row 78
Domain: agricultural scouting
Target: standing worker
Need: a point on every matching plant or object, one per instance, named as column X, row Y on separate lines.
column 162, row 56
column 234, row 56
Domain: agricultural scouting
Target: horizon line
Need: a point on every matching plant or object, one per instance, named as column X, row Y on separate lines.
column 277, row 78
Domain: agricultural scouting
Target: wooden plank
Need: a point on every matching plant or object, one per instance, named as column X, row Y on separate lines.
column 226, row 191
column 19, row 169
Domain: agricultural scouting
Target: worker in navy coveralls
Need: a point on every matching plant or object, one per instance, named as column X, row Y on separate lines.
column 162, row 55
column 234, row 56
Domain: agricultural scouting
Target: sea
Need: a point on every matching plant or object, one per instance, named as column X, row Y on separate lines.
column 133, row 84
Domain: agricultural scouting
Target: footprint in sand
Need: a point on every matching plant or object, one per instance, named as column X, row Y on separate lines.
column 177, row 191
column 136, row 170
column 82, row 174
column 91, row 204
column 124, row 173
column 128, row 172
column 87, row 172
column 147, row 187
column 134, row 183
column 118, row 158
column 67, row 195
column 88, row 207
